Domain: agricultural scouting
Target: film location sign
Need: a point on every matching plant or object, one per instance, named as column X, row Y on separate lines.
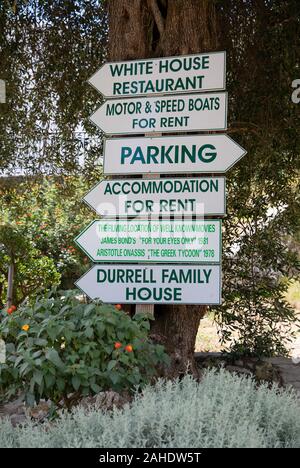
column 158, row 241
column 134, row 197
column 182, row 113
column 184, row 74
column 161, row 284
column 171, row 155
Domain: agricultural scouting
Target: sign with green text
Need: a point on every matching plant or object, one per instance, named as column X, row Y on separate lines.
column 132, row 197
column 153, row 284
column 181, row 113
column 171, row 154
column 157, row 241
column 167, row 75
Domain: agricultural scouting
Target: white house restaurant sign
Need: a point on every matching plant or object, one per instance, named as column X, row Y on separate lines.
column 183, row 74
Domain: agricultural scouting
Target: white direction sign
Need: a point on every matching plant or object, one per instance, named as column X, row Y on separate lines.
column 171, row 154
column 184, row 74
column 133, row 197
column 179, row 113
column 158, row 241
column 153, row 284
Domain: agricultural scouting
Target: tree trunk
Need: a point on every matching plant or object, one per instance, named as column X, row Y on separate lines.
column 152, row 28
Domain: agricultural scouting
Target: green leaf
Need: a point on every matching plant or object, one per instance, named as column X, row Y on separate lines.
column 52, row 332
column 114, row 377
column 40, row 342
column 49, row 380
column 53, row 356
column 61, row 384
column 111, row 364
column 95, row 388
column 89, row 332
column 76, row 382
column 38, row 377
column 24, row 369
column 88, row 309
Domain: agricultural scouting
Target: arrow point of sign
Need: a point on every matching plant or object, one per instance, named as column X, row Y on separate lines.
column 95, row 80
column 238, row 152
column 236, row 145
column 89, row 197
column 93, row 118
column 79, row 285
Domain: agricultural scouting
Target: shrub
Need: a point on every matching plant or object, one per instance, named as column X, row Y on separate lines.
column 60, row 346
column 223, row 410
column 33, row 271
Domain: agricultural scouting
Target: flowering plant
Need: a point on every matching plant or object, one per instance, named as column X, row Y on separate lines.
column 61, row 348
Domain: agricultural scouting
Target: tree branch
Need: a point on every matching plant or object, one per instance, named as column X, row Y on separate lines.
column 152, row 4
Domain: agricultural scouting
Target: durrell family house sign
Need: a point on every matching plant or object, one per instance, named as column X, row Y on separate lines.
column 153, row 284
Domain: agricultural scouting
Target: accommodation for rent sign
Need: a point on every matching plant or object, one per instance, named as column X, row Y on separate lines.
column 157, row 241
column 132, row 197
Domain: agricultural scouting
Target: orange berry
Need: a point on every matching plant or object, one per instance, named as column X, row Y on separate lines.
column 128, row 348
column 118, row 345
column 118, row 306
column 9, row 310
column 13, row 308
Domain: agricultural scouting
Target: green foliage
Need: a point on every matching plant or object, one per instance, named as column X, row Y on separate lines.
column 48, row 50
column 42, row 217
column 222, row 411
column 262, row 39
column 69, row 349
column 255, row 317
column 33, row 271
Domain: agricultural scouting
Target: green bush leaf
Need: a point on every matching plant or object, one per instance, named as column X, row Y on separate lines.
column 53, row 356
column 111, row 365
column 76, row 382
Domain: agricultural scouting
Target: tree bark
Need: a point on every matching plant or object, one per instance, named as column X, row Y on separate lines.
column 152, row 28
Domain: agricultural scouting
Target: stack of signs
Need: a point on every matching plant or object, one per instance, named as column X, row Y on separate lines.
column 159, row 240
